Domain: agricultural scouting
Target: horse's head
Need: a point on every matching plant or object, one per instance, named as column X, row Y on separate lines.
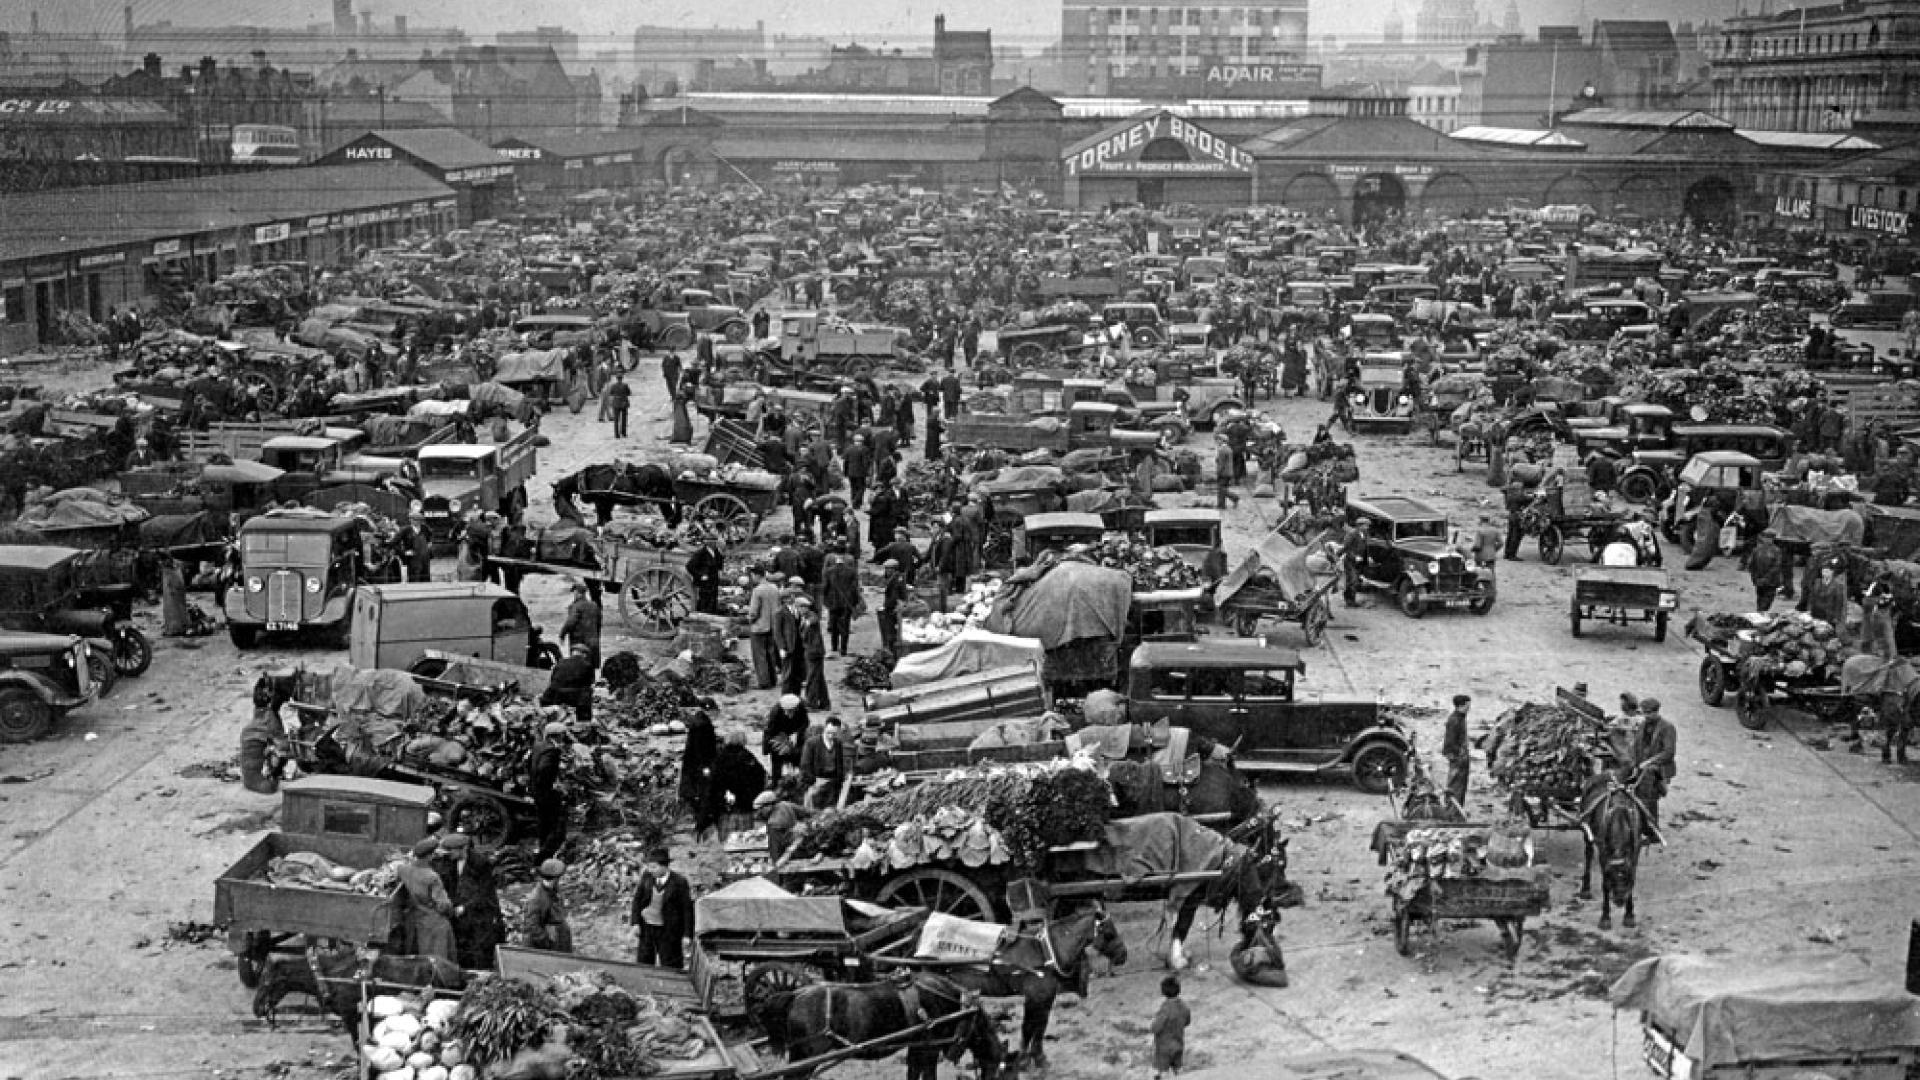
column 982, row 1040
column 1106, row 937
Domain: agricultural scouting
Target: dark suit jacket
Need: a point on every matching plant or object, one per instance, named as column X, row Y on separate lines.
column 786, row 631
column 676, row 909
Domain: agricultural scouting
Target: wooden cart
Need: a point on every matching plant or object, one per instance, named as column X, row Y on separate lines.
column 1618, row 595
column 655, row 590
column 1506, row 897
column 1251, row 594
column 731, row 512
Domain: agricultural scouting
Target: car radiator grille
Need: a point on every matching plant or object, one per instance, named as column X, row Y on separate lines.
column 284, row 592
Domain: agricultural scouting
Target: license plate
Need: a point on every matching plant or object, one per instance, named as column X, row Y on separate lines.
column 1669, row 601
column 276, row 626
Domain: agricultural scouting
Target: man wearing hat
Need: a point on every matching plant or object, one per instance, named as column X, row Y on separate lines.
column 543, row 922
column 900, row 550
column 662, row 912
column 428, row 931
column 823, row 765
column 418, row 547
column 841, row 589
column 543, row 779
column 784, row 734
column 893, row 593
column 1454, row 748
column 583, row 624
column 781, row 816
column 813, row 648
column 786, row 638
column 1655, row 747
column 763, row 605
column 478, row 925
column 570, row 683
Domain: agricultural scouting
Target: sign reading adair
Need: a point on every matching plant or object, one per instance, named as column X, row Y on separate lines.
column 1119, row 152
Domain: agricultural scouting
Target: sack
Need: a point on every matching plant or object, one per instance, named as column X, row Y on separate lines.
column 577, row 398
column 1729, row 538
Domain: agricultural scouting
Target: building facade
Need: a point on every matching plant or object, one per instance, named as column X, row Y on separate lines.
column 1126, row 49
column 1827, row 68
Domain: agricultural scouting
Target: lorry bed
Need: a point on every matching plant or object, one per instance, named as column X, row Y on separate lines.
column 244, row 900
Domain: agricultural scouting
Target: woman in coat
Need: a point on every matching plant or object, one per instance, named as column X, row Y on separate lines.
column 696, row 769
column 682, row 434
column 813, row 645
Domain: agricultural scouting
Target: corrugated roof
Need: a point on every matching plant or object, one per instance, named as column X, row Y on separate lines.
column 42, row 223
column 851, row 149
column 1646, row 118
column 443, row 148
column 584, row 144
column 1807, row 140
column 1537, row 138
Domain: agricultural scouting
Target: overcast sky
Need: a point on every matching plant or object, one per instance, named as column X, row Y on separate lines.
column 1028, row 23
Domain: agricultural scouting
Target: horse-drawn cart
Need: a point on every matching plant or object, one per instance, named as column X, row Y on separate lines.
column 1559, row 514
column 1437, row 870
column 656, row 592
column 1288, row 591
column 1617, row 595
column 1733, row 663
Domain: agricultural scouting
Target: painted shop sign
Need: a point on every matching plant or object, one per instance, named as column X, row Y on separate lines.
column 369, row 153
column 164, row 248
column 520, row 153
column 1404, row 172
column 1785, row 206
column 1231, row 74
column 109, row 258
column 1874, row 219
column 791, row 166
column 483, row 172
column 269, row 234
column 1119, row 152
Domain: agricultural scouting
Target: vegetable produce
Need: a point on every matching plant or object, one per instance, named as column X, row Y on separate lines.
column 1153, row 568
column 1544, row 750
column 1427, row 856
column 874, row 671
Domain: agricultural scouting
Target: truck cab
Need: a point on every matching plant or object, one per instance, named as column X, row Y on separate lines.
column 297, row 571
column 1193, row 534
column 1639, row 425
column 458, row 477
column 1246, row 695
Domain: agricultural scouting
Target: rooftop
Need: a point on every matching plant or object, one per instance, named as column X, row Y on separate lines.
column 1532, row 138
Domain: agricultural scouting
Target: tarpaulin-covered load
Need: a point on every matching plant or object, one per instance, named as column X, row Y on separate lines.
column 173, row 531
column 757, row 906
column 370, row 709
column 241, row 472
column 1061, row 601
column 1868, row 674
column 1812, row 1010
column 1808, row 525
column 460, row 408
column 399, row 430
column 973, row 650
column 543, row 366
column 491, row 395
column 1103, row 500
column 1024, row 478
column 80, row 509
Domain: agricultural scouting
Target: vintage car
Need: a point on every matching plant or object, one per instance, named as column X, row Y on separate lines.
column 1243, row 694
column 1410, row 554
column 1143, row 322
column 1708, row 475
column 1381, row 400
column 1642, row 478
column 42, row 678
column 41, row 592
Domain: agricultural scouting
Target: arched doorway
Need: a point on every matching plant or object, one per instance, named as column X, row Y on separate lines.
column 1574, row 189
column 1378, row 197
column 676, row 166
column 1648, row 196
column 1709, row 203
column 1153, row 190
column 1311, row 193
column 1449, row 194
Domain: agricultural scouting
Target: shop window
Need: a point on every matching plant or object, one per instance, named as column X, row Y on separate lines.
column 13, row 305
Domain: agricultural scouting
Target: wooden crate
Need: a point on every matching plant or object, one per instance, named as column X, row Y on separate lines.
column 1000, row 693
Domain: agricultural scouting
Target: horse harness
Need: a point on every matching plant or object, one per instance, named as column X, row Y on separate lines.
column 917, row 1017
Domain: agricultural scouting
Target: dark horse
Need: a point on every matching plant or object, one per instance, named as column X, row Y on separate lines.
column 1037, row 966
column 1255, row 871
column 606, row 486
column 1140, row 788
column 340, row 978
column 1612, row 818
column 824, row 1017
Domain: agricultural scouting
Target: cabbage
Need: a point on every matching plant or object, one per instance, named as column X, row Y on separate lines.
column 416, row 1062
column 400, row 1042
column 401, row 1073
column 440, row 1012
column 463, row 1072
column 386, row 1005
column 381, row 1059
column 453, row 1052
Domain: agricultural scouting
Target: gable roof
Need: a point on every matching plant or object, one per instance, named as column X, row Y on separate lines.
column 443, row 148
column 1635, row 35
column 1666, row 119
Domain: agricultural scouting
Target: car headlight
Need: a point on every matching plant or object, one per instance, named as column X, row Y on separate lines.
column 313, row 584
column 453, row 506
column 416, row 506
column 254, row 584
column 1434, row 567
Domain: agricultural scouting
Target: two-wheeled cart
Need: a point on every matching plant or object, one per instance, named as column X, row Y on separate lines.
column 1507, row 897
column 655, row 589
column 1255, row 593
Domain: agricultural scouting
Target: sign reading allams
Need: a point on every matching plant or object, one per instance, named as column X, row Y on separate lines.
column 1786, row 206
column 1874, row 219
column 1119, row 151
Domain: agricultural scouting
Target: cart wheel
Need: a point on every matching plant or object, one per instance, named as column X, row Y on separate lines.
column 1638, row 487
column 727, row 517
column 1402, row 929
column 938, row 890
column 770, row 977
column 1659, row 626
column 1751, row 710
column 1552, row 544
column 655, row 600
column 1576, row 618
column 1027, row 352
column 1316, row 620
column 735, row 331
column 1246, row 623
column 132, row 652
column 487, row 819
column 1713, row 682
column 265, row 390
column 1412, row 604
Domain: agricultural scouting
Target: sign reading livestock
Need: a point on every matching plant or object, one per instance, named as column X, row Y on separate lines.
column 1179, row 148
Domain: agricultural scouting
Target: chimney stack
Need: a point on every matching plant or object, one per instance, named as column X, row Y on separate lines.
column 939, row 26
column 33, row 22
column 126, row 23
column 1913, row 957
column 150, row 64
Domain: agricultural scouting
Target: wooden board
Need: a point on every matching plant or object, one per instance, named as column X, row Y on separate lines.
column 1002, row 693
column 536, row 965
column 1878, row 400
column 935, row 761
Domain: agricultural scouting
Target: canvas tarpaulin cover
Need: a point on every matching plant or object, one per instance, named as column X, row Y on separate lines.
column 1809, row 525
column 80, row 508
column 972, row 650
column 757, row 906
column 549, row 364
column 1721, row 1014
column 1069, row 601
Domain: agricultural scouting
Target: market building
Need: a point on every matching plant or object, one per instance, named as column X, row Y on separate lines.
column 90, row 250
column 555, row 168
column 1830, row 67
column 481, row 179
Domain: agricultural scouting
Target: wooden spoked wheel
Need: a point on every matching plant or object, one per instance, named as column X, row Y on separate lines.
column 938, row 890
column 727, row 518
column 655, row 600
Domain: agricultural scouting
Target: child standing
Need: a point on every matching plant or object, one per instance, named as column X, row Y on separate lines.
column 1170, row 1029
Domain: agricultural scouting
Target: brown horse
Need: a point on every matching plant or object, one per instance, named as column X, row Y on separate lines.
column 1036, row 966
column 340, row 978
column 1612, row 818
column 881, row 1017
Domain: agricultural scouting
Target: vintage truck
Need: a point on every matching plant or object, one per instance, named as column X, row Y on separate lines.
column 351, row 822
column 298, row 570
column 809, row 339
column 457, row 477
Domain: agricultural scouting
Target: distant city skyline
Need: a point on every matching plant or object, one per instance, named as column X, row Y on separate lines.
column 601, row 26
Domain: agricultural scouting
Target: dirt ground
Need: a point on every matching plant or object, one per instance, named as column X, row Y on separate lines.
column 113, row 831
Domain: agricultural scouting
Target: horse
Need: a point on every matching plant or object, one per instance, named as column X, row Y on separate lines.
column 1255, row 871
column 335, row 979
column 1036, row 966
column 1612, row 818
column 1139, row 787
column 825, row 1017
